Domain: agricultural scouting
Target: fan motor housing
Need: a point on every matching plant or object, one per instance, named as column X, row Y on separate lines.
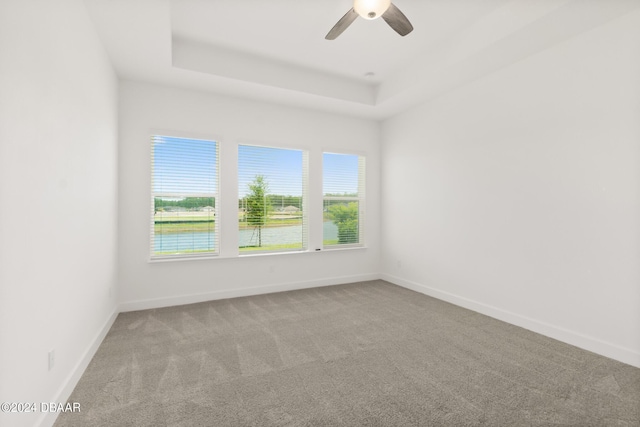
column 371, row 9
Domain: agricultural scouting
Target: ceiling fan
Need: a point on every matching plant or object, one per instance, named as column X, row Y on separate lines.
column 372, row 9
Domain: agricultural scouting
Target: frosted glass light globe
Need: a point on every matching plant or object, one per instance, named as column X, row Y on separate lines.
column 371, row 9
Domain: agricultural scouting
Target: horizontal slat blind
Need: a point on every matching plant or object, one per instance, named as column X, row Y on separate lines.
column 184, row 182
column 343, row 180
column 271, row 199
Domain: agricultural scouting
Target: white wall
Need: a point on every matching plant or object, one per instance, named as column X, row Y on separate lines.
column 519, row 194
column 58, row 199
column 146, row 109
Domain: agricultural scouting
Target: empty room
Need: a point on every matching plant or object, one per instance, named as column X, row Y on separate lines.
column 319, row 213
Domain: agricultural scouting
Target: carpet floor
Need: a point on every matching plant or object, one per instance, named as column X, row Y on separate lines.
column 363, row 354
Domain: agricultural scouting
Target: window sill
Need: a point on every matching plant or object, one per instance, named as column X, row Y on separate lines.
column 172, row 258
column 308, row 251
column 154, row 260
column 343, row 247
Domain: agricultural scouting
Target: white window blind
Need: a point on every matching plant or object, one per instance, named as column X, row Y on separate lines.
column 184, row 187
column 343, row 180
column 272, row 199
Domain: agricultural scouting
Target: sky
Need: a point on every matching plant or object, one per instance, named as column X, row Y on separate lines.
column 281, row 168
column 189, row 166
column 339, row 173
column 185, row 166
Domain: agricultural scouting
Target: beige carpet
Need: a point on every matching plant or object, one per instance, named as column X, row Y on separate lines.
column 359, row 354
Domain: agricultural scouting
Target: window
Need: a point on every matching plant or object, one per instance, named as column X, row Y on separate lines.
column 272, row 201
column 343, row 178
column 184, row 187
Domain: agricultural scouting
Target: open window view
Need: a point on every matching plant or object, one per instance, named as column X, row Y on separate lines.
column 271, row 199
column 343, row 204
column 184, row 190
column 272, row 202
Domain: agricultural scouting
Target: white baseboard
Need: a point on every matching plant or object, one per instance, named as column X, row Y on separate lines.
column 47, row 419
column 244, row 292
column 585, row 342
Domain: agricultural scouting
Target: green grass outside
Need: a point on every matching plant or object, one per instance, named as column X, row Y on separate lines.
column 183, row 227
column 184, row 218
column 190, row 225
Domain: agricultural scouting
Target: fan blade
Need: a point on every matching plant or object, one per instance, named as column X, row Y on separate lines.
column 342, row 24
column 396, row 20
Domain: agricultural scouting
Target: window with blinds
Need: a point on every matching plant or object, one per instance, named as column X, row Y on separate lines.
column 272, row 199
column 343, row 181
column 184, row 188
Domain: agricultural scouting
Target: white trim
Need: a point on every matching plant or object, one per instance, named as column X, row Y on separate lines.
column 47, row 419
column 360, row 198
column 296, row 146
column 160, row 194
column 595, row 345
column 250, row 254
column 344, row 151
column 244, row 292
column 186, row 134
column 184, row 257
column 338, row 246
column 243, row 252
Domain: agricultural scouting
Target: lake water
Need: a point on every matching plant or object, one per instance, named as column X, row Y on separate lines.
column 177, row 242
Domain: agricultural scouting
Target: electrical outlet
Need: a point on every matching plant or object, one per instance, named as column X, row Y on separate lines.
column 52, row 359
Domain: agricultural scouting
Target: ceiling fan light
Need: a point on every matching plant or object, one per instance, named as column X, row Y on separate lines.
column 371, row 9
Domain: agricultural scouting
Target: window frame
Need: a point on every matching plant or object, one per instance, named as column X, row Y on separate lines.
column 227, row 187
column 153, row 256
column 360, row 198
column 305, row 195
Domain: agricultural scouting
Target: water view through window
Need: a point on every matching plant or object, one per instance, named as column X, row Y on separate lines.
column 271, row 199
column 184, row 186
column 272, row 203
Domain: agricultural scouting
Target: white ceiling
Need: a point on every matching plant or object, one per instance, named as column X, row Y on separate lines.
column 275, row 50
